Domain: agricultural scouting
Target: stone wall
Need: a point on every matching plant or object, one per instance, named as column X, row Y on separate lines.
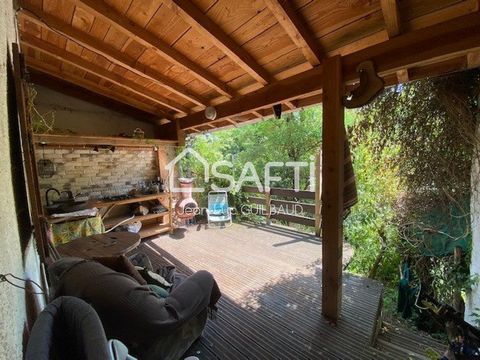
column 100, row 173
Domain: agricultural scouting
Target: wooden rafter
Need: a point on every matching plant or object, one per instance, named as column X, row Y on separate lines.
column 422, row 47
column 257, row 113
column 278, row 92
column 205, row 26
column 391, row 16
column 297, row 29
column 77, row 61
column 290, row 104
column 40, row 18
column 231, row 121
column 402, row 76
column 90, row 86
column 73, row 90
column 473, row 60
column 144, row 37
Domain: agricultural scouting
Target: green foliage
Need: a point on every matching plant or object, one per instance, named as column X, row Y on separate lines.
column 294, row 137
column 432, row 124
column 449, row 278
column 370, row 227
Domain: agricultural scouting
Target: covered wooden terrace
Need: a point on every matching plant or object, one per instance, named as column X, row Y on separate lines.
column 167, row 61
column 271, row 284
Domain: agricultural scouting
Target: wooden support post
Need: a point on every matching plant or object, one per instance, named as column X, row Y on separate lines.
column 28, row 148
column 160, row 163
column 332, row 187
column 318, row 194
column 180, row 134
column 268, row 205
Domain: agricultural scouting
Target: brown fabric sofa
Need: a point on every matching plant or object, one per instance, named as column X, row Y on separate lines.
column 151, row 327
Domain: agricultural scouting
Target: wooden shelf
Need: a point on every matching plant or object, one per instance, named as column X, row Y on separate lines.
column 110, row 222
column 153, row 229
column 81, row 140
column 135, row 199
column 147, row 230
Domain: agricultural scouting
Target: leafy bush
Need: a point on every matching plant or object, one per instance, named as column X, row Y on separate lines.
column 370, row 228
column 432, row 125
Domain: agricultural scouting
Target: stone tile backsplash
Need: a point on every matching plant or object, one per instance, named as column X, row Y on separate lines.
column 99, row 173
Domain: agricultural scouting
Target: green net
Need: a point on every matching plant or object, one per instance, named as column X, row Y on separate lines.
column 443, row 229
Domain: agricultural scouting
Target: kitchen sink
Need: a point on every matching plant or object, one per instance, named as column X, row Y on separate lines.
column 61, row 207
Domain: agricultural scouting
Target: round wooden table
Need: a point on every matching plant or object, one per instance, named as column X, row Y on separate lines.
column 101, row 245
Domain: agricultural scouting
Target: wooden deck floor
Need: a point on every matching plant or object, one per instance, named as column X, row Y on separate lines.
column 270, row 278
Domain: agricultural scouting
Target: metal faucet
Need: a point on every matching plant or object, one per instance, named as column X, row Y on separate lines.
column 47, row 192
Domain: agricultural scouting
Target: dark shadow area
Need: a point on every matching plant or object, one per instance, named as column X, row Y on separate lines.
column 283, row 320
column 178, row 233
column 295, row 235
column 25, row 226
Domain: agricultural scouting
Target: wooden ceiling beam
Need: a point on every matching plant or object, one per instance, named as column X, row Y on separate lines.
column 473, row 60
column 297, row 29
column 256, row 113
column 290, row 104
column 77, row 61
column 70, row 89
column 456, row 10
column 109, row 15
column 39, row 66
column 44, row 20
column 281, row 91
column 193, row 16
column 422, row 47
column 402, row 76
column 425, row 46
column 233, row 122
column 391, row 16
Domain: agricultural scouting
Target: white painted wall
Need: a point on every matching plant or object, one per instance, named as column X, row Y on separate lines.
column 473, row 300
column 83, row 118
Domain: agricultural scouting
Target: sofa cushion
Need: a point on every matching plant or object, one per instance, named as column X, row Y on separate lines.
column 131, row 312
column 123, row 265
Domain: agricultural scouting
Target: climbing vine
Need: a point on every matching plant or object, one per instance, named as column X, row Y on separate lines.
column 432, row 123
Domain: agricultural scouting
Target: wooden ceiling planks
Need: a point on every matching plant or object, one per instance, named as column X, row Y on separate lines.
column 43, row 79
column 234, row 16
column 437, row 43
column 410, row 9
column 327, row 16
column 90, row 86
column 125, row 26
column 216, row 47
column 215, row 34
column 444, row 14
column 119, row 79
column 100, row 52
